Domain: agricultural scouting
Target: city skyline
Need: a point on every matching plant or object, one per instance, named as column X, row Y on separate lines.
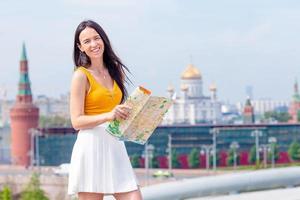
column 234, row 44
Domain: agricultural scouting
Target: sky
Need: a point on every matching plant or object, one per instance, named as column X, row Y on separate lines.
column 233, row 43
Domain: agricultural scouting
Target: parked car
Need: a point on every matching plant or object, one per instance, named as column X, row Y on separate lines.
column 62, row 169
column 161, row 173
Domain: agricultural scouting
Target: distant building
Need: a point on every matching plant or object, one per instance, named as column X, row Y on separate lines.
column 48, row 106
column 5, row 136
column 5, row 143
column 5, row 106
column 231, row 114
column 53, row 106
column 262, row 106
column 248, row 114
column 266, row 105
column 192, row 106
column 55, row 144
column 294, row 108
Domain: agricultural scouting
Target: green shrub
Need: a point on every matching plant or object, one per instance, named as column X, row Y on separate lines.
column 194, row 158
column 275, row 148
column 252, row 155
column 135, row 161
column 230, row 158
column 175, row 162
column 33, row 190
column 294, row 151
column 154, row 160
column 6, row 194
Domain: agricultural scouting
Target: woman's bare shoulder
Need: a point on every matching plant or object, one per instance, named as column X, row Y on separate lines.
column 79, row 75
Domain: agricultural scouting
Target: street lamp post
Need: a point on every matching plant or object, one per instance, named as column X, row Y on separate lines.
column 31, row 152
column 215, row 132
column 144, row 156
column 272, row 141
column 256, row 134
column 146, row 162
column 38, row 133
column 34, row 148
column 149, row 148
column 1, row 150
column 207, row 149
column 234, row 146
column 170, row 152
column 265, row 148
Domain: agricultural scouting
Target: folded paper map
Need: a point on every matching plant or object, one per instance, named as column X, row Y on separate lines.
column 146, row 114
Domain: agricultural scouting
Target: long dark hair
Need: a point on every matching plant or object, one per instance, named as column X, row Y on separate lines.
column 112, row 62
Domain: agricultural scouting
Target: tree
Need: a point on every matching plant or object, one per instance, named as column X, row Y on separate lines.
column 6, row 193
column 154, row 162
column 175, row 162
column 275, row 149
column 294, row 150
column 230, row 158
column 33, row 190
column 278, row 116
column 135, row 161
column 54, row 121
column 193, row 158
column 252, row 155
column 211, row 158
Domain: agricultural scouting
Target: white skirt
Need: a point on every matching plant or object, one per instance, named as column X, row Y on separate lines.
column 100, row 164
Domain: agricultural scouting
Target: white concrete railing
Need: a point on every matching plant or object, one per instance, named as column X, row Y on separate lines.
column 224, row 184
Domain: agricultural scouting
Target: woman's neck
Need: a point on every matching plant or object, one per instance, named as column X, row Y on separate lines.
column 97, row 64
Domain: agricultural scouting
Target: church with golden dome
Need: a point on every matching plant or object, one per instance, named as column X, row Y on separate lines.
column 192, row 106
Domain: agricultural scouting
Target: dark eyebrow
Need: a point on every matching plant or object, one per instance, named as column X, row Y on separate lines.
column 92, row 37
column 85, row 40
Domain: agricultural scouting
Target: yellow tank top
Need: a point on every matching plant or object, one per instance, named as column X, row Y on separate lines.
column 99, row 99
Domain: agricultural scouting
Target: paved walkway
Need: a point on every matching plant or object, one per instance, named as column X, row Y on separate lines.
column 278, row 194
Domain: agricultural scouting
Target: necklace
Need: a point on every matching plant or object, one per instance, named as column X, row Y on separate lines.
column 100, row 73
column 103, row 74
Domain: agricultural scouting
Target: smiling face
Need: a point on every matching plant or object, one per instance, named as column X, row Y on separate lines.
column 91, row 43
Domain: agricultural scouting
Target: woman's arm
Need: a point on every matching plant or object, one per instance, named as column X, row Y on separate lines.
column 77, row 96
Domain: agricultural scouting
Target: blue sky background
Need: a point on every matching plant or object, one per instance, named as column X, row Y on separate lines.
column 233, row 43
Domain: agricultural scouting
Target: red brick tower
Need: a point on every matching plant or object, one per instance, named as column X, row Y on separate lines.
column 294, row 108
column 248, row 114
column 24, row 116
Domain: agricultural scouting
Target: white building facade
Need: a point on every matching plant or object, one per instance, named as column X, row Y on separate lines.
column 265, row 105
column 53, row 106
column 192, row 106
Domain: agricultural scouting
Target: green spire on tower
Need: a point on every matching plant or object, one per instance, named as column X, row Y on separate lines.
column 296, row 96
column 24, row 82
column 23, row 54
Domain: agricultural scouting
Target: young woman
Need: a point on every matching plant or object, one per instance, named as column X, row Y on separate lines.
column 99, row 164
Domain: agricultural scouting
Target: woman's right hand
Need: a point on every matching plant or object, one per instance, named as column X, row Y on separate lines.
column 120, row 112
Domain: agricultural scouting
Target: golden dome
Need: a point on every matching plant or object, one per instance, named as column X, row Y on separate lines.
column 184, row 87
column 191, row 72
column 213, row 87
